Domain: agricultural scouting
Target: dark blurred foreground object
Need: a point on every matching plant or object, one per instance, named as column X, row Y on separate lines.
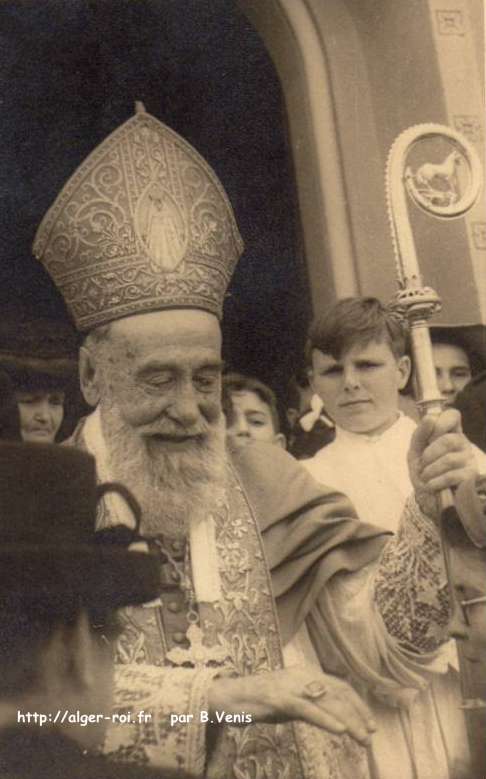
column 471, row 402
column 60, row 583
column 40, row 358
column 38, row 347
column 35, row 753
column 9, row 412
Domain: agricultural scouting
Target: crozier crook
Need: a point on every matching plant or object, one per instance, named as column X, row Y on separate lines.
column 426, row 189
column 435, row 188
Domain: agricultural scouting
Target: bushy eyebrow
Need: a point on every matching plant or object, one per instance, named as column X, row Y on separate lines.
column 211, row 365
column 154, row 366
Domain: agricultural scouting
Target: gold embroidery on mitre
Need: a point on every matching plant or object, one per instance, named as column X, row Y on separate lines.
column 143, row 225
column 161, row 227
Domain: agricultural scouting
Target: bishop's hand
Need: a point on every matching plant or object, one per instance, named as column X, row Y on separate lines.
column 296, row 693
column 440, row 456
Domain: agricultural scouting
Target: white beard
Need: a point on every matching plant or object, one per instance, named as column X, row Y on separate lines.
column 173, row 488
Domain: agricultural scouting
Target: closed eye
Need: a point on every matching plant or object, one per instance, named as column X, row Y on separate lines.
column 207, row 382
column 257, row 421
column 160, row 381
column 334, row 370
column 368, row 364
column 56, row 399
column 27, row 397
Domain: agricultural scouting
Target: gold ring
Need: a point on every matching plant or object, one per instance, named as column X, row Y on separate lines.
column 314, row 689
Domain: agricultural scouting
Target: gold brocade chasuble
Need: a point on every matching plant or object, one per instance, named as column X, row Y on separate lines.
column 238, row 634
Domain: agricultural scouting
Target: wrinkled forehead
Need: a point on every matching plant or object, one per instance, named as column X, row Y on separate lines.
column 173, row 332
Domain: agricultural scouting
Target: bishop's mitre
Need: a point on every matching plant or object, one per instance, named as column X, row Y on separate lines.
column 142, row 225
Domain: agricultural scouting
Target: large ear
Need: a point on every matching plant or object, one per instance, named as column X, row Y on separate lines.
column 404, row 369
column 89, row 376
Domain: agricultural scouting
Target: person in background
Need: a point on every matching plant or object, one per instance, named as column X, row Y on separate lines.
column 311, row 428
column 452, row 368
column 299, row 395
column 251, row 411
column 471, row 402
column 9, row 411
column 60, row 586
column 41, row 409
column 39, row 356
column 468, row 624
column 357, row 350
column 459, row 354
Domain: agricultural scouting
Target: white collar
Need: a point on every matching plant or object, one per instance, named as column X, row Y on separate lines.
column 308, row 420
column 348, row 436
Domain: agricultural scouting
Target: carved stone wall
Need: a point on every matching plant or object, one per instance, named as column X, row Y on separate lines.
column 355, row 74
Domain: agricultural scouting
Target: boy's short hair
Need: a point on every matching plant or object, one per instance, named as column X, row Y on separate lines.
column 353, row 321
column 237, row 382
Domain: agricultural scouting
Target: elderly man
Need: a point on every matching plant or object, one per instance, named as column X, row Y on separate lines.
column 151, row 367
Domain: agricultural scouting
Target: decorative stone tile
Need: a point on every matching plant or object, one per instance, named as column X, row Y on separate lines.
column 469, row 125
column 478, row 230
column 450, row 22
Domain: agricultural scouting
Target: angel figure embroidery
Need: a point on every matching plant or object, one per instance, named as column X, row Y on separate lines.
column 162, row 229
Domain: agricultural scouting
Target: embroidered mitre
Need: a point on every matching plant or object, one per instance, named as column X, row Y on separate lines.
column 143, row 225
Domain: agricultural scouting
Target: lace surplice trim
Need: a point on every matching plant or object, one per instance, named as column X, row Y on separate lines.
column 411, row 585
column 148, row 696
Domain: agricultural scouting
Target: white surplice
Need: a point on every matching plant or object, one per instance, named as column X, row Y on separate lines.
column 425, row 739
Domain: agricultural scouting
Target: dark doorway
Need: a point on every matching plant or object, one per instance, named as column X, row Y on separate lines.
column 71, row 72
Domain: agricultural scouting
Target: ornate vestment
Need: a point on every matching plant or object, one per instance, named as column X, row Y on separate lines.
column 428, row 738
column 315, row 549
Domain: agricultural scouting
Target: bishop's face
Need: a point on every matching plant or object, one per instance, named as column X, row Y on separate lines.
column 165, row 376
column 158, row 379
